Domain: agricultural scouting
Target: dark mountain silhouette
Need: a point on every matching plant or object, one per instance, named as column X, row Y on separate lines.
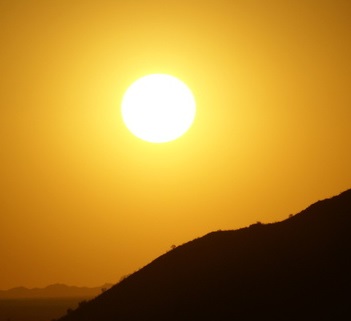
column 52, row 291
column 297, row 269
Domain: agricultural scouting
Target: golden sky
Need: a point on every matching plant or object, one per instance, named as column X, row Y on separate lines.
column 84, row 202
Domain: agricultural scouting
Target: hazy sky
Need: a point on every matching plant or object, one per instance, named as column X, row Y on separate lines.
column 84, row 202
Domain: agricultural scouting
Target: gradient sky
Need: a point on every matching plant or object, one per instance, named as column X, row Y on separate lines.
column 84, row 202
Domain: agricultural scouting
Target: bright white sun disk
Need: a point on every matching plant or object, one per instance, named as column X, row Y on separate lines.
column 158, row 108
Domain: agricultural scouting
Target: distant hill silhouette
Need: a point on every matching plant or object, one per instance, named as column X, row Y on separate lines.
column 297, row 269
column 52, row 291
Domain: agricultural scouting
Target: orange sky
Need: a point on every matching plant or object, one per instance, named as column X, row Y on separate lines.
column 84, row 202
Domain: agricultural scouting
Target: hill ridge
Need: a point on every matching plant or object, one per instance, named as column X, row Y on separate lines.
column 298, row 268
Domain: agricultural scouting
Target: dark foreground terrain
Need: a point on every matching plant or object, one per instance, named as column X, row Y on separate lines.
column 44, row 304
column 297, row 269
column 36, row 309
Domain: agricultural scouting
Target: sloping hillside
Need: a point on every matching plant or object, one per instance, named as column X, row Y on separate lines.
column 297, row 269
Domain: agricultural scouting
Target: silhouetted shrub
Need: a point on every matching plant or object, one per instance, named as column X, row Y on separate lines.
column 81, row 303
column 258, row 223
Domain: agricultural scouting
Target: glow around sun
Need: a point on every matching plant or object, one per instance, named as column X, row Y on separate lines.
column 158, row 108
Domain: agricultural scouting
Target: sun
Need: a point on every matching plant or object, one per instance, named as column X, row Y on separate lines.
column 158, row 108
